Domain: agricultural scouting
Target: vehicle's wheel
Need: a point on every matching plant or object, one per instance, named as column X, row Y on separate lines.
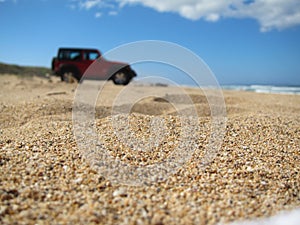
column 121, row 78
column 68, row 77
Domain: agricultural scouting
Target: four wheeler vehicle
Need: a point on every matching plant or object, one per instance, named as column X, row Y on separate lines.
column 72, row 63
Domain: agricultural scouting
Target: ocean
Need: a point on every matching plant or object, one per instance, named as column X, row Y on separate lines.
column 264, row 88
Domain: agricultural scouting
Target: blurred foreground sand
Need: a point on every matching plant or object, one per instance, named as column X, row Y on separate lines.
column 45, row 180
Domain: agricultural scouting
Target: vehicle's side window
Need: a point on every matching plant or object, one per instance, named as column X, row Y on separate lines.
column 75, row 55
column 63, row 55
column 91, row 55
column 69, row 55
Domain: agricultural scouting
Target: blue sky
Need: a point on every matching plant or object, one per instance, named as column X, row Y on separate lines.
column 243, row 42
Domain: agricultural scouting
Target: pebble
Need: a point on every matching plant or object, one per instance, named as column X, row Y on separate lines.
column 120, row 192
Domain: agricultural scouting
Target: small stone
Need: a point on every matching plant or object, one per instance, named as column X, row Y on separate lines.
column 65, row 167
column 78, row 180
column 120, row 192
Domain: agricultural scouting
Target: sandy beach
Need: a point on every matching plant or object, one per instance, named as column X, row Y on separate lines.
column 45, row 179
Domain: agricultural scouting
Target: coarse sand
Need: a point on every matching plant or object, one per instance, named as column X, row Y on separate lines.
column 44, row 178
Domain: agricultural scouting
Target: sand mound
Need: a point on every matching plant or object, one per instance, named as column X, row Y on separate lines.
column 46, row 178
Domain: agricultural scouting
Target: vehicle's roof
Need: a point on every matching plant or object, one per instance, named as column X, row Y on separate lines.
column 78, row 49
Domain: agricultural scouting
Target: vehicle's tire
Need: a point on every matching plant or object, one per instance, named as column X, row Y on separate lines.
column 121, row 78
column 69, row 76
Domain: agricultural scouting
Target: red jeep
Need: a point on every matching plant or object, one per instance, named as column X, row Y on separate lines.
column 71, row 63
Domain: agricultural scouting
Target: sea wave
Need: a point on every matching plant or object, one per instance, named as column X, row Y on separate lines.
column 264, row 88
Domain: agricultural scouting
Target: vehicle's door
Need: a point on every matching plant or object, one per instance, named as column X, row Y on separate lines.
column 89, row 57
